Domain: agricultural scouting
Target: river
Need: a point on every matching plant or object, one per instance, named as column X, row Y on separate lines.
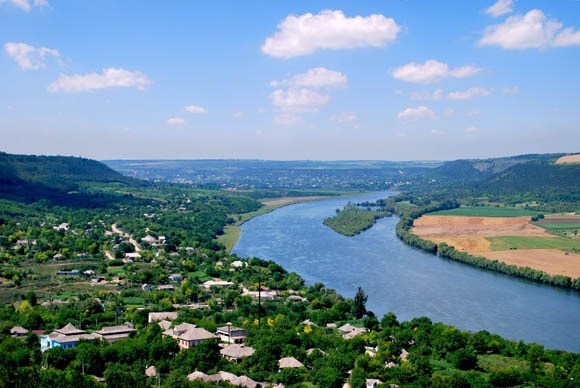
column 409, row 282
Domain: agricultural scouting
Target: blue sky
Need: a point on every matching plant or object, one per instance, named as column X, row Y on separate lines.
column 385, row 80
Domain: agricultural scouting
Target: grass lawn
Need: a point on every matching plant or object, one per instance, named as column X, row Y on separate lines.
column 493, row 362
column 504, row 243
column 486, row 211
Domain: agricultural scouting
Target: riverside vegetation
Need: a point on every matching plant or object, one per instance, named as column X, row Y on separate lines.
column 352, row 219
column 72, row 229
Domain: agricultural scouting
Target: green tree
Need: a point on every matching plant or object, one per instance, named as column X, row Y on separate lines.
column 360, row 300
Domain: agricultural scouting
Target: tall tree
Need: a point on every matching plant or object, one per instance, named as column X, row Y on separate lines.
column 360, row 299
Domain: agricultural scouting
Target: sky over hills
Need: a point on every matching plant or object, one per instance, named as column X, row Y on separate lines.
column 391, row 79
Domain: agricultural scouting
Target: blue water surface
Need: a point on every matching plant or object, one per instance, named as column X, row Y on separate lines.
column 408, row 282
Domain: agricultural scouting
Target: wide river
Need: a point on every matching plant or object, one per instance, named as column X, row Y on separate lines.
column 408, row 282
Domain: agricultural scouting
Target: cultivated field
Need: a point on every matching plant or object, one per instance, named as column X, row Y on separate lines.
column 486, row 211
column 551, row 261
column 459, row 226
column 569, row 159
column 513, row 240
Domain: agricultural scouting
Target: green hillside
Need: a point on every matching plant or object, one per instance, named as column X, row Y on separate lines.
column 30, row 178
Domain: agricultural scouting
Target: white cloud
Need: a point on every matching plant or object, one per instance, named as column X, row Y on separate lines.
column 195, row 109
column 472, row 130
column 532, row 30
column 344, row 117
column 315, row 78
column 237, row 115
column 308, row 33
column 437, row 132
column 469, row 94
column 110, row 78
column 500, row 8
column 418, row 113
column 29, row 57
column 25, row 5
column 511, row 91
column 298, row 100
column 432, row 71
column 428, row 96
column 473, row 113
column 288, row 120
column 176, row 121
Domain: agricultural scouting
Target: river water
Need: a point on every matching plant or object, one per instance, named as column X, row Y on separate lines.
column 408, row 282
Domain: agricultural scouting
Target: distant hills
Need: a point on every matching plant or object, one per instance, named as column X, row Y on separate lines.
column 29, row 177
column 536, row 174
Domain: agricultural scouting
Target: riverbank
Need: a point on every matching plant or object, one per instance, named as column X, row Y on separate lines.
column 407, row 281
column 233, row 231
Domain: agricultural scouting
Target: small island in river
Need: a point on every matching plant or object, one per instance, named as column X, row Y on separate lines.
column 352, row 219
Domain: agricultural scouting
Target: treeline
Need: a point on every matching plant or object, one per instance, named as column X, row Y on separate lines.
column 449, row 252
column 408, row 214
column 403, row 230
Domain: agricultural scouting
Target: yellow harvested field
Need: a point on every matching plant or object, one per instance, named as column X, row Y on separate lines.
column 464, row 243
column 569, row 159
column 551, row 261
column 459, row 226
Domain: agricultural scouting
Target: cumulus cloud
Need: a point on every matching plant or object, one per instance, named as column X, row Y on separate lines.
column 469, row 94
column 195, row 109
column 26, row 5
column 288, row 120
column 344, row 117
column 472, row 130
column 418, row 113
column 308, row 33
column 237, row 115
column 500, row 8
column 532, row 30
column 432, row 71
column 111, row 77
column 315, row 78
column 298, row 100
column 29, row 57
column 176, row 121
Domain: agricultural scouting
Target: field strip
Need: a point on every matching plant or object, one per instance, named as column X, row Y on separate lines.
column 551, row 261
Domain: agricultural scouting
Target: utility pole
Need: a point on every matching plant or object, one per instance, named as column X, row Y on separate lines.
column 259, row 301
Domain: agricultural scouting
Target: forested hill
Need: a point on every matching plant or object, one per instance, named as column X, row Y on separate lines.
column 474, row 170
column 30, row 177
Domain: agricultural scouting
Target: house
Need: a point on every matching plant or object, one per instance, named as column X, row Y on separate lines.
column 133, row 256
column 74, row 272
column 289, row 362
column 58, row 256
column 296, row 298
column 164, row 325
column 149, row 239
column 146, row 287
column 115, row 333
column 216, row 283
column 265, row 295
column 165, row 287
column 67, row 337
column 188, row 335
column 151, row 371
column 349, row 331
column 154, row 317
column 236, row 352
column 18, row 332
column 232, row 334
column 175, row 277
column 373, row 383
column 241, row 381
